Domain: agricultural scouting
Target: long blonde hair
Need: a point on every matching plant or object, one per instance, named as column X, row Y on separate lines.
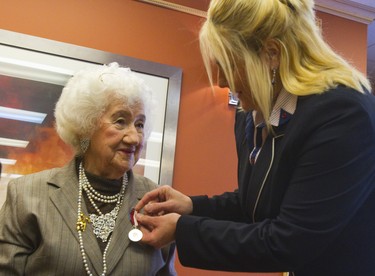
column 236, row 30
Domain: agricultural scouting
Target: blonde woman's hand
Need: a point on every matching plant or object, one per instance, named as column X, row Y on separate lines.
column 158, row 231
column 164, row 200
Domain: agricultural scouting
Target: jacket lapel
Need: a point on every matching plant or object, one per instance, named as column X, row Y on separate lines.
column 262, row 169
column 65, row 199
column 120, row 240
column 259, row 175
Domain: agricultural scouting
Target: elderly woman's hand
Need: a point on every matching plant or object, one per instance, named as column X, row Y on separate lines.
column 164, row 200
column 158, row 231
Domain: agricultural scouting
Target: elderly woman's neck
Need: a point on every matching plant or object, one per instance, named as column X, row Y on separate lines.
column 98, row 169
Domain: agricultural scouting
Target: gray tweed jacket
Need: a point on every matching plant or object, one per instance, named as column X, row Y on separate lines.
column 38, row 233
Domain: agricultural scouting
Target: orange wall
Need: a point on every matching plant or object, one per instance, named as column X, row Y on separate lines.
column 346, row 37
column 205, row 161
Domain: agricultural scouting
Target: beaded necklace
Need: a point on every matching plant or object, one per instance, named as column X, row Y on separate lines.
column 103, row 224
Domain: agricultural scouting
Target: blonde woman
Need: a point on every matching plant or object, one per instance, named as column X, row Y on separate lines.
column 305, row 137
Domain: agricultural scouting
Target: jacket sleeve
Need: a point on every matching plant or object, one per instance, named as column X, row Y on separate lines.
column 15, row 244
column 221, row 207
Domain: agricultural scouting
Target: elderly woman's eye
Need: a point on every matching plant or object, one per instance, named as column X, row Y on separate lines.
column 140, row 125
column 120, row 122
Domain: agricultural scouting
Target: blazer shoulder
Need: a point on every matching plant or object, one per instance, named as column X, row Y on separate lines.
column 341, row 101
column 36, row 177
column 337, row 96
column 144, row 183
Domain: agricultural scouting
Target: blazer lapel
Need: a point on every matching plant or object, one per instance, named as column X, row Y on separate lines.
column 120, row 240
column 262, row 169
column 65, row 199
column 259, row 175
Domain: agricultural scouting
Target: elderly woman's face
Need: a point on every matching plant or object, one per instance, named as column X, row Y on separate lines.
column 116, row 145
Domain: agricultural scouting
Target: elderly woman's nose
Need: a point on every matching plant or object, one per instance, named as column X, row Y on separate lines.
column 131, row 135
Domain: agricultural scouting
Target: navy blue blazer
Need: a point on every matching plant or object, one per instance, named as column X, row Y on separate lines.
column 307, row 206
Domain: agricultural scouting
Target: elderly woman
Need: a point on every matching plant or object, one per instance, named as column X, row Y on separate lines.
column 75, row 220
column 305, row 138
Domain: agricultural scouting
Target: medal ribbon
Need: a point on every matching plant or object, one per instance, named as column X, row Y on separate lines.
column 135, row 234
column 132, row 215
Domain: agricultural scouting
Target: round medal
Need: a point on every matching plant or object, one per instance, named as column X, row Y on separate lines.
column 135, row 235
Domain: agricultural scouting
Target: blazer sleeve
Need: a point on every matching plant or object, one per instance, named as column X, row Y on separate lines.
column 222, row 207
column 15, row 244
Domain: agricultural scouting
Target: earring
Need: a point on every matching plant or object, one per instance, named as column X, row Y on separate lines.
column 84, row 143
column 273, row 80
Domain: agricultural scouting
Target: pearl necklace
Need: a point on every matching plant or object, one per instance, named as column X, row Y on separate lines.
column 82, row 220
column 92, row 193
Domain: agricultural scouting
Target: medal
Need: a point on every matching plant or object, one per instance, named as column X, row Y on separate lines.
column 135, row 234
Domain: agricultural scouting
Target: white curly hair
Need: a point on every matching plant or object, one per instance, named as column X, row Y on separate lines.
column 89, row 93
